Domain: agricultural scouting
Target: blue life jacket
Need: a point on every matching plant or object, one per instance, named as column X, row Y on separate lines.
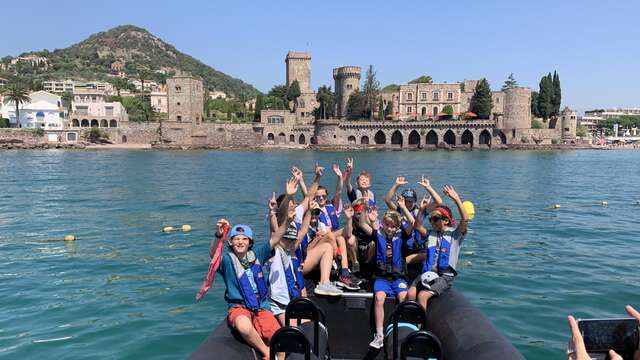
column 295, row 278
column 331, row 210
column 442, row 250
column 397, row 265
column 251, row 299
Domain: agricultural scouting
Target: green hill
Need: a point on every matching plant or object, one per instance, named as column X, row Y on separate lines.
column 91, row 59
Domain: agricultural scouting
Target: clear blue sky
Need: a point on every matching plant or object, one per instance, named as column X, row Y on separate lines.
column 594, row 45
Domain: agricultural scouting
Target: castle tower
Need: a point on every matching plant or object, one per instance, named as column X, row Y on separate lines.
column 347, row 80
column 569, row 121
column 517, row 108
column 299, row 68
column 185, row 98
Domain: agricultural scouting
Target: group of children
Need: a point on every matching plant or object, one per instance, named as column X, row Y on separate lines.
column 308, row 236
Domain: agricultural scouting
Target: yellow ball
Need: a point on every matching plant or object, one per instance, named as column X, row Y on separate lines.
column 186, row 227
column 69, row 238
column 556, row 206
column 469, row 209
column 167, row 229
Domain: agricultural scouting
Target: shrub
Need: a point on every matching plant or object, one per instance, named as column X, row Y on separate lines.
column 535, row 124
column 96, row 135
column 4, row 123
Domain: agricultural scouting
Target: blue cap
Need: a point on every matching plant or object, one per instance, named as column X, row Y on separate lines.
column 241, row 230
column 409, row 194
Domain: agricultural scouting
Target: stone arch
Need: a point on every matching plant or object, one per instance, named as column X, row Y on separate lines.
column 75, row 123
column 380, row 138
column 124, row 139
column 282, row 138
column 449, row 137
column 414, row 137
column 435, row 112
column 85, row 123
column 503, row 138
column 397, row 138
column 302, row 140
column 104, row 123
column 113, row 123
column 364, row 140
column 313, row 140
column 432, row 138
column 467, row 137
column 271, row 138
column 484, row 138
column 94, row 123
column 351, row 140
column 423, row 112
column 292, row 139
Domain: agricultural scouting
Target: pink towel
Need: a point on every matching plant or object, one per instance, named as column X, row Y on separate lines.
column 213, row 266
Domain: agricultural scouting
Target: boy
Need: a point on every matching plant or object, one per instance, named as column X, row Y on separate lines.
column 443, row 248
column 363, row 182
column 390, row 268
column 246, row 288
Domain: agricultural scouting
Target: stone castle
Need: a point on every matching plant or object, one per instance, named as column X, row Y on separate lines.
column 417, row 122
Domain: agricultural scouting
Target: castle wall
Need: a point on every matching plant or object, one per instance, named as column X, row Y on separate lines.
column 517, row 108
column 347, row 80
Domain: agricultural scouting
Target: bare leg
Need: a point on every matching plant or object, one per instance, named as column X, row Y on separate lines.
column 321, row 254
column 280, row 318
column 245, row 328
column 423, row 298
column 352, row 249
column 416, row 258
column 402, row 296
column 379, row 309
column 342, row 245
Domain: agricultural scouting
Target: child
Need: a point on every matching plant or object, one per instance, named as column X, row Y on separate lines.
column 246, row 287
column 443, row 248
column 364, row 183
column 390, row 268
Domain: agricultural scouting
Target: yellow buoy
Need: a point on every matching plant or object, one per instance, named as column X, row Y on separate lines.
column 69, row 238
column 556, row 206
column 186, row 227
column 167, row 229
column 469, row 209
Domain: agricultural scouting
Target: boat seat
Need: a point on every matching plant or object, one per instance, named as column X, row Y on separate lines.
column 421, row 344
column 406, row 318
column 290, row 340
column 315, row 330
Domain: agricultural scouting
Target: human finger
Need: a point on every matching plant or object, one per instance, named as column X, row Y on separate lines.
column 578, row 341
column 614, row 355
column 633, row 312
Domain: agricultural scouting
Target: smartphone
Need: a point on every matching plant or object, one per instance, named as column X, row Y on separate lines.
column 600, row 335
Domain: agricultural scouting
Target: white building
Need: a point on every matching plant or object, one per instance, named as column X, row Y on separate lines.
column 91, row 109
column 58, row 87
column 158, row 101
column 44, row 111
column 216, row 94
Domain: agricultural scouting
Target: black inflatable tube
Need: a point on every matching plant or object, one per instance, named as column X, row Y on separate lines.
column 465, row 333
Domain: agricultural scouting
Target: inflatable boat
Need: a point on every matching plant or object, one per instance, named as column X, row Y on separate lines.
column 342, row 327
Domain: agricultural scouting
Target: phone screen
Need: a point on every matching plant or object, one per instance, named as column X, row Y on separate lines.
column 600, row 335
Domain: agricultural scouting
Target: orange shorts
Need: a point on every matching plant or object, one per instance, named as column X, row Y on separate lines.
column 263, row 321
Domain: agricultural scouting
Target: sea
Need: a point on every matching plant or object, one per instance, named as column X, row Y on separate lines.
column 555, row 233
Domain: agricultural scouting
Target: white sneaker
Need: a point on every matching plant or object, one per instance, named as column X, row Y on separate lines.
column 327, row 289
column 378, row 341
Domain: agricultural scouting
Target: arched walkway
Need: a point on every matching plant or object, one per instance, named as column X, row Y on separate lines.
column 467, row 137
column 503, row 138
column 380, row 138
column 351, row 140
column 484, row 138
column 85, row 123
column 292, row 139
column 450, row 137
column 432, row 138
column 302, row 140
column 113, row 123
column 75, row 123
column 424, row 111
column 271, row 139
column 364, row 140
column 396, row 138
column 104, row 123
column 94, row 123
column 414, row 137
column 282, row 138
column 314, row 140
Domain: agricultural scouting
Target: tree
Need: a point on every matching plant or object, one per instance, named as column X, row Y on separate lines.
column 143, row 74
column 380, row 110
column 424, row 79
column 534, row 104
column 535, row 124
column 18, row 95
column 326, row 102
column 448, row 109
column 581, row 131
column 119, row 84
column 389, row 109
column 67, row 99
column 545, row 96
column 371, row 89
column 391, row 88
column 556, row 100
column 510, row 83
column 280, row 92
column 293, row 93
column 356, row 105
column 259, row 105
column 481, row 102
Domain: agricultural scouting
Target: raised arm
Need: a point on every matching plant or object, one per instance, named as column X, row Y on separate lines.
column 273, row 214
column 311, row 193
column 373, row 219
column 407, row 215
column 297, row 173
column 436, row 199
column 218, row 236
column 348, row 171
column 276, row 236
column 306, row 220
column 417, row 224
column 337, row 195
column 348, row 227
column 464, row 218
column 291, row 188
column 388, row 199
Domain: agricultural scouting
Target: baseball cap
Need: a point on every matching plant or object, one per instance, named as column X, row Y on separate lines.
column 291, row 233
column 241, row 230
column 409, row 194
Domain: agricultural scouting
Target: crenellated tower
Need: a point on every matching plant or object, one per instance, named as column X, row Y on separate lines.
column 347, row 80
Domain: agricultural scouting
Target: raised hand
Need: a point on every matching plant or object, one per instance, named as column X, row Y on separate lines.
column 292, row 186
column 373, row 215
column 401, row 202
column 424, row 182
column 220, row 225
column 314, row 204
column 451, row 192
column 425, row 202
column 296, row 173
column 336, row 170
column 348, row 212
column 319, row 170
column 350, row 164
column 273, row 204
column 401, row 180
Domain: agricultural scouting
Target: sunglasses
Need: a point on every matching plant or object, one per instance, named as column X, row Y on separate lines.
column 435, row 218
column 321, row 196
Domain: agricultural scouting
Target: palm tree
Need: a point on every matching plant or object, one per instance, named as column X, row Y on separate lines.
column 142, row 75
column 18, row 95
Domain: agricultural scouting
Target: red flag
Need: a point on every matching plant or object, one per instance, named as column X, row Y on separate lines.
column 213, row 265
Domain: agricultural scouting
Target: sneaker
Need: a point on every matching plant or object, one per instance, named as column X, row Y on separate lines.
column 355, row 267
column 378, row 341
column 356, row 279
column 327, row 289
column 346, row 282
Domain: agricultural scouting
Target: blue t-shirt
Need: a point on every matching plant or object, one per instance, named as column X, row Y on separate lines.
column 233, row 295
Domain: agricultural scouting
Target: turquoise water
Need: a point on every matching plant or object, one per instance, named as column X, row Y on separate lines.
column 124, row 290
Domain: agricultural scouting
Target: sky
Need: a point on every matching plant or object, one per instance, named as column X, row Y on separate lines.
column 594, row 45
